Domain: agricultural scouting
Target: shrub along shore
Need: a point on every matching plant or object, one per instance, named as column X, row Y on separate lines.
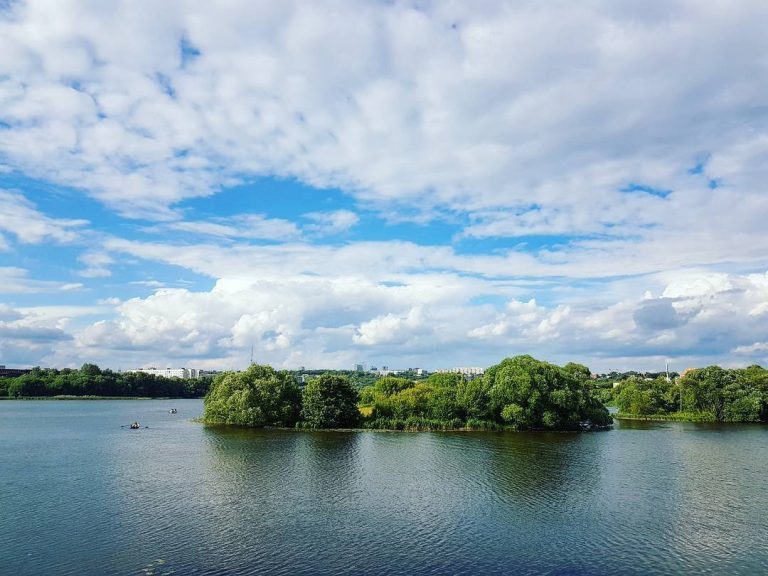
column 520, row 393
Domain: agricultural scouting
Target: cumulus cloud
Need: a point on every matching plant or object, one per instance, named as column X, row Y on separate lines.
column 32, row 335
column 429, row 319
column 602, row 150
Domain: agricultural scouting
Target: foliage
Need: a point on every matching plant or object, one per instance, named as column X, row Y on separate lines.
column 330, row 401
column 520, row 393
column 389, row 385
column 638, row 396
column 90, row 380
column 260, row 396
column 367, row 396
column 707, row 394
column 527, row 394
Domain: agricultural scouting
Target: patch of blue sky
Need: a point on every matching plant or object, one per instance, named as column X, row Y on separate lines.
column 274, row 197
column 62, row 202
column 58, row 262
column 291, row 200
column 495, row 300
column 700, row 164
column 45, row 261
column 166, row 84
column 188, row 52
column 140, row 279
column 634, row 187
column 434, row 233
column 528, row 243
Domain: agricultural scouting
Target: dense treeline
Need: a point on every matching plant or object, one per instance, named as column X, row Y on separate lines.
column 520, row 393
column 90, row 380
column 707, row 394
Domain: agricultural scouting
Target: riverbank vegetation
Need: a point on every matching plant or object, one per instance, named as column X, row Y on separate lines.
column 711, row 394
column 520, row 393
column 92, row 381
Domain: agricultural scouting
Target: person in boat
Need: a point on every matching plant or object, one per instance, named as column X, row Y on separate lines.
column 135, row 426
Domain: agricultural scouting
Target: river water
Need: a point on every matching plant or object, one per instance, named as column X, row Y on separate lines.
column 80, row 494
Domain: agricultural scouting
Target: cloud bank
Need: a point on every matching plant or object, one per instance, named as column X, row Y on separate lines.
column 600, row 168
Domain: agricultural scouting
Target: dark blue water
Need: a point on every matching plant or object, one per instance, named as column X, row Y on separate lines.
column 81, row 495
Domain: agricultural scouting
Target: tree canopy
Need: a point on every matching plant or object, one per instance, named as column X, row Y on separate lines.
column 520, row 393
column 90, row 380
column 330, row 401
column 260, row 396
column 712, row 393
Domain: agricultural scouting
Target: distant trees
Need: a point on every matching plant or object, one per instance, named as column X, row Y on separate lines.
column 90, row 380
column 710, row 394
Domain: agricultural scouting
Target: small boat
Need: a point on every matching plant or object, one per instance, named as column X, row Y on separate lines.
column 135, row 426
column 172, row 411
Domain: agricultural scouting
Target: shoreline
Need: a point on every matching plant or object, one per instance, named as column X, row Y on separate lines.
column 676, row 417
column 70, row 397
column 409, row 430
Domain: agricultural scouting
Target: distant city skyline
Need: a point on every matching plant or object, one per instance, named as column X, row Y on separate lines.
column 435, row 184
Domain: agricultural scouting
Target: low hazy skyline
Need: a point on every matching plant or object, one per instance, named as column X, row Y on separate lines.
column 424, row 184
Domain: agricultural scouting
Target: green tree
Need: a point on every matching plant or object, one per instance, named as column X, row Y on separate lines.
column 367, row 396
column 260, row 396
column 445, row 379
column 703, row 389
column 330, row 401
column 472, row 399
column 578, row 370
column 389, row 385
column 526, row 393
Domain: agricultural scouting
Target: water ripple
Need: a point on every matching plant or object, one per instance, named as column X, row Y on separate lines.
column 80, row 495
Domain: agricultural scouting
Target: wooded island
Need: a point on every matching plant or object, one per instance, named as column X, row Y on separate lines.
column 520, row 393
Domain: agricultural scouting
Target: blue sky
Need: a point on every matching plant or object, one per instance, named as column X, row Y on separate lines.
column 440, row 185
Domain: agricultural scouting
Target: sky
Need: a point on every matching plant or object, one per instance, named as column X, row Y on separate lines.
column 410, row 184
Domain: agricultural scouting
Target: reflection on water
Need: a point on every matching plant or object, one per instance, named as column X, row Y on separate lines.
column 80, row 495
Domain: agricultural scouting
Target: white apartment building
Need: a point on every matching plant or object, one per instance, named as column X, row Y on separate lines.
column 465, row 370
column 172, row 372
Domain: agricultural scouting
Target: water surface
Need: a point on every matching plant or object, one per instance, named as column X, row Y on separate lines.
column 79, row 494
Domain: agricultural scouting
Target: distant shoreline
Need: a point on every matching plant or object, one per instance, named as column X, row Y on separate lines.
column 677, row 417
column 69, row 397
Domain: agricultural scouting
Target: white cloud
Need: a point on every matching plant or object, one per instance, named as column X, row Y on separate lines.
column 333, row 222
column 427, row 307
column 752, row 349
column 30, row 226
column 32, row 335
column 243, row 226
column 96, row 264
column 478, row 110
column 622, row 149
column 389, row 328
column 17, row 281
